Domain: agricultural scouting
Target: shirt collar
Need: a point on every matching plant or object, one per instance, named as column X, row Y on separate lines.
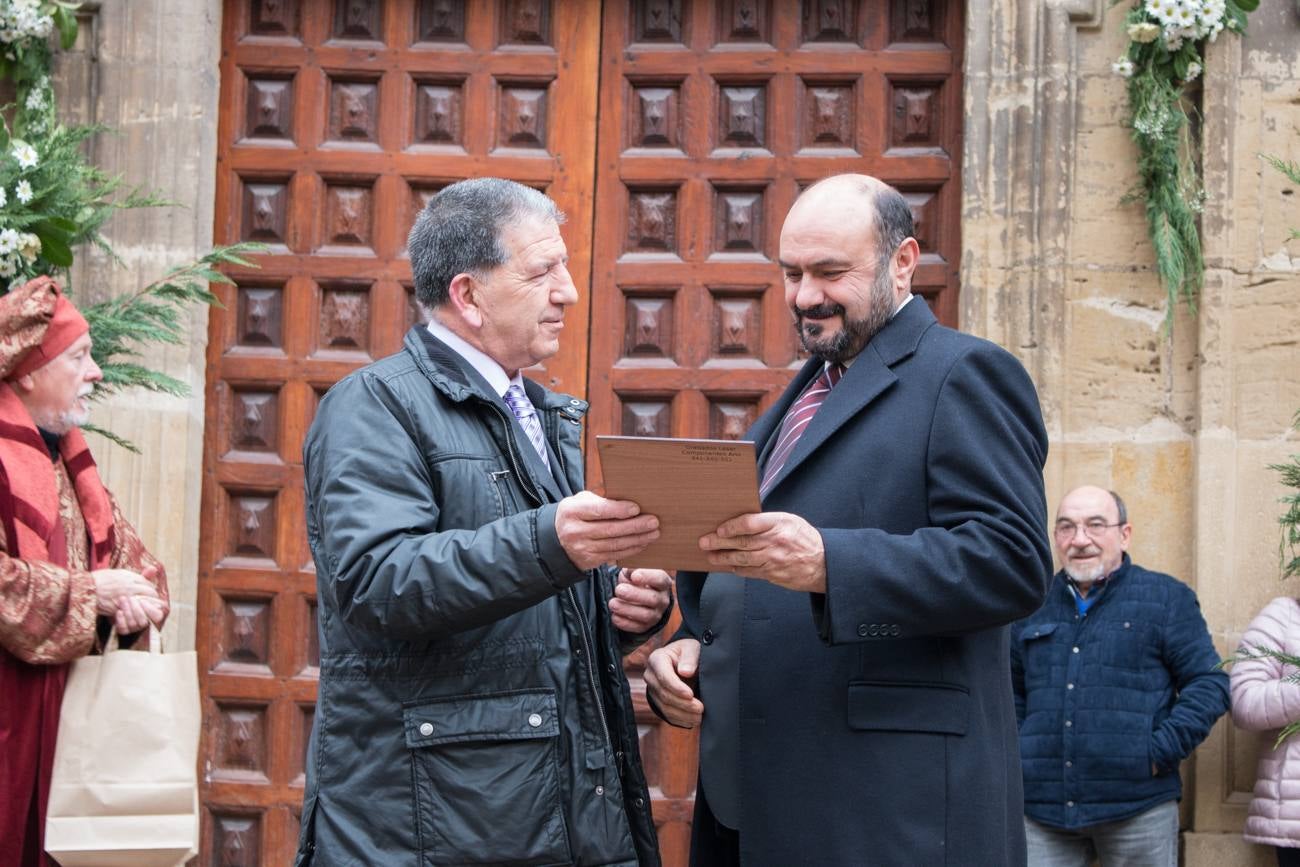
column 486, row 366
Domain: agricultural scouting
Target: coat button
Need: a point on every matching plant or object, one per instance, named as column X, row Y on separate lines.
column 534, row 719
column 600, row 790
column 1068, row 724
column 874, row 629
column 1069, row 686
column 707, row 637
column 426, row 729
column 640, row 802
column 895, row 630
column 862, row 630
column 1074, row 650
column 1069, row 803
column 1069, row 764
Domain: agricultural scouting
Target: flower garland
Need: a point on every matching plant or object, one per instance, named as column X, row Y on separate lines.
column 1166, row 41
column 52, row 199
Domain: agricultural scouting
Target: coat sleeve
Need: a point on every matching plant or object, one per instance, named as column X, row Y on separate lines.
column 372, row 518
column 984, row 559
column 1192, row 661
column 47, row 612
column 1264, row 696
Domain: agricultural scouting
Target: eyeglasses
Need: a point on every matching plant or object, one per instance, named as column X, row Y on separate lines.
column 1091, row 529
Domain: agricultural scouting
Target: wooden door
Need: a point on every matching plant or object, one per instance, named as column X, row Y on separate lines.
column 338, row 120
column 340, row 117
column 713, row 115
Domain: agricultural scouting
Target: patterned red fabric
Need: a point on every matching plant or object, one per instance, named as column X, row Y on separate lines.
column 34, row 492
column 26, row 316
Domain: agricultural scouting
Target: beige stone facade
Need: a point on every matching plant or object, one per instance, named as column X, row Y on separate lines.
column 1054, row 268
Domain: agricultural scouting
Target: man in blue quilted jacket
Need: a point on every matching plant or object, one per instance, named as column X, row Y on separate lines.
column 1115, row 682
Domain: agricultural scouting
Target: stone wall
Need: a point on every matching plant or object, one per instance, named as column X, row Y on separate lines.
column 1183, row 425
column 148, row 69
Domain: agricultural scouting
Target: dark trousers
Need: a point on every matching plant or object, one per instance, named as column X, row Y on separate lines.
column 712, row 843
column 1287, row 857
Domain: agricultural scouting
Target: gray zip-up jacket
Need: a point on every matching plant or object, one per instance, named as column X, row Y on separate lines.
column 472, row 705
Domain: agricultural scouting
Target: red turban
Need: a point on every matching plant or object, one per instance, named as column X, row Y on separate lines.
column 37, row 322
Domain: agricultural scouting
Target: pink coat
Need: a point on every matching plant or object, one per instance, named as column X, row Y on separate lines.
column 1263, row 700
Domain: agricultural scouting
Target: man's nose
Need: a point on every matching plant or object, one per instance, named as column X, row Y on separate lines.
column 808, row 294
column 565, row 291
column 94, row 374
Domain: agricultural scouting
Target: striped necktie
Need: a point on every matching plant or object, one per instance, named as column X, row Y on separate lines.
column 792, row 426
column 523, row 409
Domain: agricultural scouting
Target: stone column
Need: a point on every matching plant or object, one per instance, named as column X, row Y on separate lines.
column 148, row 69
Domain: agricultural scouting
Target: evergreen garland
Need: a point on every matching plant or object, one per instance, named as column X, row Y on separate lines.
column 52, row 199
column 1166, row 43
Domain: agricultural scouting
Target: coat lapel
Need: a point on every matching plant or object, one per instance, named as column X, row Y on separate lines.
column 870, row 375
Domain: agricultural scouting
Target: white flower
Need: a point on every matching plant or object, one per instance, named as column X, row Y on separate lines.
column 1173, row 41
column 4, row 197
column 1143, row 32
column 25, row 154
column 35, row 100
column 1166, row 11
column 1193, row 70
column 9, row 240
column 8, row 266
column 30, row 247
column 1123, row 67
column 23, row 191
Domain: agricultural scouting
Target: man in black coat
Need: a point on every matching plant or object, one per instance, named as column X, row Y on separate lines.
column 847, row 660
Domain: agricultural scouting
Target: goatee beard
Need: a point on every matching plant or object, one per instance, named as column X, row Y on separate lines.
column 854, row 334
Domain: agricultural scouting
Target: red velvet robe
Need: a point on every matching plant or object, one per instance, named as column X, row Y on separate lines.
column 57, row 522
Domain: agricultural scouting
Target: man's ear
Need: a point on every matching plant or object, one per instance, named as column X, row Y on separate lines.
column 463, row 298
column 906, row 258
column 23, row 384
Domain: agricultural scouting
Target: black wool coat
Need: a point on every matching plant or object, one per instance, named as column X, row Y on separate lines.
column 877, row 724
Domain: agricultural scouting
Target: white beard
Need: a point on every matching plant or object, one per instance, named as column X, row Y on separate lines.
column 1085, row 576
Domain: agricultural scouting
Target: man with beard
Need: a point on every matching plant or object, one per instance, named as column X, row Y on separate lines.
column 1116, row 681
column 70, row 564
column 847, row 657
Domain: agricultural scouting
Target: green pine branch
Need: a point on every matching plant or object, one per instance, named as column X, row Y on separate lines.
column 120, row 326
column 1289, row 544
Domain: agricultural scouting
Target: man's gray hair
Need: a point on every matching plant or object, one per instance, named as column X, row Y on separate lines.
column 460, row 231
column 1119, row 505
column 893, row 223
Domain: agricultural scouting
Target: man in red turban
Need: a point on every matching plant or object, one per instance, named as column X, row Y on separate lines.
column 71, row 568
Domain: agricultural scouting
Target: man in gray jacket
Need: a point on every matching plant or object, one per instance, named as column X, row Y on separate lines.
column 472, row 706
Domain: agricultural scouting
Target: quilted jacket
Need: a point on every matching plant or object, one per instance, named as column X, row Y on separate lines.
column 1104, row 698
column 1263, row 699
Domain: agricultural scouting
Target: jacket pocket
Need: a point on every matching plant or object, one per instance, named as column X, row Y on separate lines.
column 934, row 708
column 486, row 778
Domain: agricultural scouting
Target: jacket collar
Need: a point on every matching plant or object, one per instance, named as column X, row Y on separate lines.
column 1121, row 571
column 866, row 379
column 459, row 381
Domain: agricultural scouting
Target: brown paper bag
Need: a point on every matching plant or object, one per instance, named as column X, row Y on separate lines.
column 125, row 785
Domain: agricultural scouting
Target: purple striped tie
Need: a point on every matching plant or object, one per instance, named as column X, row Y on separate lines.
column 798, row 417
column 523, row 409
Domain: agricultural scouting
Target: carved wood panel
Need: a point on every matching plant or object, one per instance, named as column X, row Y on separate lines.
column 713, row 115
column 339, row 119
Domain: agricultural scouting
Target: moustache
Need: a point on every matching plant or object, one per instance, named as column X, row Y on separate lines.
column 821, row 311
column 86, row 391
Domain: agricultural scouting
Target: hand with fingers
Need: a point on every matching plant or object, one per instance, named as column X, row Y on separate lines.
column 669, row 674
column 640, row 599
column 594, row 530
column 777, row 547
column 130, row 598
